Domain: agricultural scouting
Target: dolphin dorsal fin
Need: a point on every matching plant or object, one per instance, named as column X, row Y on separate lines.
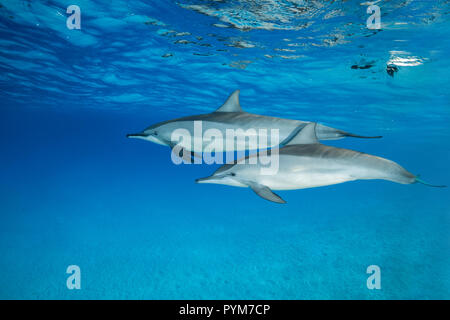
column 232, row 104
column 305, row 136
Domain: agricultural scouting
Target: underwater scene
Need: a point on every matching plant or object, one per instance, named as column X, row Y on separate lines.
column 88, row 213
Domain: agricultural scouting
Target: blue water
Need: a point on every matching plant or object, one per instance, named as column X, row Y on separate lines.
column 75, row 191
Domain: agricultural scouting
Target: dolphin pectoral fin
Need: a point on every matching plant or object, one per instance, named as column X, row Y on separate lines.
column 189, row 156
column 186, row 155
column 265, row 192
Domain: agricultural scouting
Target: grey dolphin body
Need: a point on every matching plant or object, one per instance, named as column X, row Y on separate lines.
column 231, row 116
column 305, row 163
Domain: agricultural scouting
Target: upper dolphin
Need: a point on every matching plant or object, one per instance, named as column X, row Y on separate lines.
column 231, row 116
column 306, row 163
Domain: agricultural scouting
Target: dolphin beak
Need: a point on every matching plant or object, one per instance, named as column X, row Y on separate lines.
column 147, row 137
column 136, row 135
column 204, row 180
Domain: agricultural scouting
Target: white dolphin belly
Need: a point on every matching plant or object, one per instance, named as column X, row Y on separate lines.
column 303, row 172
column 307, row 179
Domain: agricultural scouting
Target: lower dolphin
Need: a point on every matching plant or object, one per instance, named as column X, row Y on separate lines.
column 305, row 163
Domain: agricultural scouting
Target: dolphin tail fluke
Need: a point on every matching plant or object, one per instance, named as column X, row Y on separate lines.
column 429, row 184
column 265, row 193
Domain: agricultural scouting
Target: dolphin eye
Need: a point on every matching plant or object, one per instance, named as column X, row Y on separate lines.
column 155, row 133
column 233, row 174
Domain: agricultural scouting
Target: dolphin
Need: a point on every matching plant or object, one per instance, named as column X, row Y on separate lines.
column 306, row 163
column 231, row 116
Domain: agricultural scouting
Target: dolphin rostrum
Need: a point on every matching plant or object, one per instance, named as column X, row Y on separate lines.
column 306, row 163
column 231, row 116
